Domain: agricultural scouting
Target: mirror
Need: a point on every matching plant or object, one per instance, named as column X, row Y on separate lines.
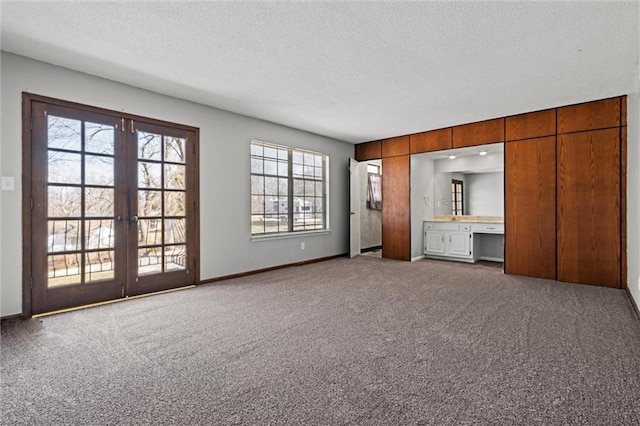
column 464, row 181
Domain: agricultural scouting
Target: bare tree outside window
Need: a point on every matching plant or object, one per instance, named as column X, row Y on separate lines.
column 161, row 201
column 80, row 204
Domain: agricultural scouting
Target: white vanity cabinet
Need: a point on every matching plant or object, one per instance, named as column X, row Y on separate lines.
column 464, row 241
column 444, row 239
column 434, row 242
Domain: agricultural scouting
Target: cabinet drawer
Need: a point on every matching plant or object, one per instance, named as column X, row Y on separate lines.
column 488, row 228
column 441, row 226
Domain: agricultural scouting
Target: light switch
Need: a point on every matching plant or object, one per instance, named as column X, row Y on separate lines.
column 8, row 183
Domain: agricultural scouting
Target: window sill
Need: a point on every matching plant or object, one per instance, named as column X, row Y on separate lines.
column 256, row 238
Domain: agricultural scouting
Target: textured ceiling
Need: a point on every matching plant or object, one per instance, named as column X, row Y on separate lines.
column 355, row 71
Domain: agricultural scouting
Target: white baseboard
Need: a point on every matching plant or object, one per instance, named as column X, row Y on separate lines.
column 414, row 259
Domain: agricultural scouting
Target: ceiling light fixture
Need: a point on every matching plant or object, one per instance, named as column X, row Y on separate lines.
column 451, row 157
column 483, row 153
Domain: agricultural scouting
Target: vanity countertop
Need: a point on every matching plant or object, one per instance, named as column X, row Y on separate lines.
column 468, row 219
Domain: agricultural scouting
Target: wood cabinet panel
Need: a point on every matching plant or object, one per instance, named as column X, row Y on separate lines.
column 434, row 140
column 623, row 110
column 530, row 207
column 623, row 205
column 395, row 146
column 483, row 132
column 531, row 125
column 368, row 151
column 589, row 116
column 396, row 208
column 588, row 214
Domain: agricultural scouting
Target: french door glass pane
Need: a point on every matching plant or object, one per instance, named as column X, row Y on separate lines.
column 99, row 234
column 64, row 201
column 175, row 231
column 99, row 170
column 150, row 260
column 99, row 138
column 63, row 235
column 149, row 232
column 64, row 133
column 149, row 146
column 64, row 269
column 174, row 176
column 174, row 203
column 98, row 201
column 99, row 265
column 175, row 257
column 149, row 203
column 64, row 167
column 149, row 175
column 175, row 150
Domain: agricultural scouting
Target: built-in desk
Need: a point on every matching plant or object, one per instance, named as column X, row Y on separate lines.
column 464, row 239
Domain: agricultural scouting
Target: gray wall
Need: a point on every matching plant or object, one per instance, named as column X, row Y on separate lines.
column 422, row 199
column 226, row 245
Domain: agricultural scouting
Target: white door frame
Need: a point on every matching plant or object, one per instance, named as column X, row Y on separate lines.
column 354, row 208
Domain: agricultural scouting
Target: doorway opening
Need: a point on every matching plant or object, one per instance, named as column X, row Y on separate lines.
column 371, row 208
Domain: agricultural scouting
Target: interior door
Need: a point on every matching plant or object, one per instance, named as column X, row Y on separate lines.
column 354, row 208
column 113, row 206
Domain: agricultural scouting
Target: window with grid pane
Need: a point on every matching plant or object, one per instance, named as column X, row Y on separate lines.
column 288, row 189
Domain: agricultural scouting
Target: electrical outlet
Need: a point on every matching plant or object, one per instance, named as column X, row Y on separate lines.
column 302, row 245
column 8, row 183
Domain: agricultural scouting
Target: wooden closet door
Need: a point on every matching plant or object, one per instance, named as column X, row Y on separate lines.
column 530, row 207
column 589, row 207
column 396, row 208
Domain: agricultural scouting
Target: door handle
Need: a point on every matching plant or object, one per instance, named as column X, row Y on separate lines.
column 133, row 219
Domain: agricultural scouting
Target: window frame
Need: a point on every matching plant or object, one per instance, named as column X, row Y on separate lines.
column 291, row 179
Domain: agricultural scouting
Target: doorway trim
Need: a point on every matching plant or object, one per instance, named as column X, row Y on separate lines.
column 27, row 194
